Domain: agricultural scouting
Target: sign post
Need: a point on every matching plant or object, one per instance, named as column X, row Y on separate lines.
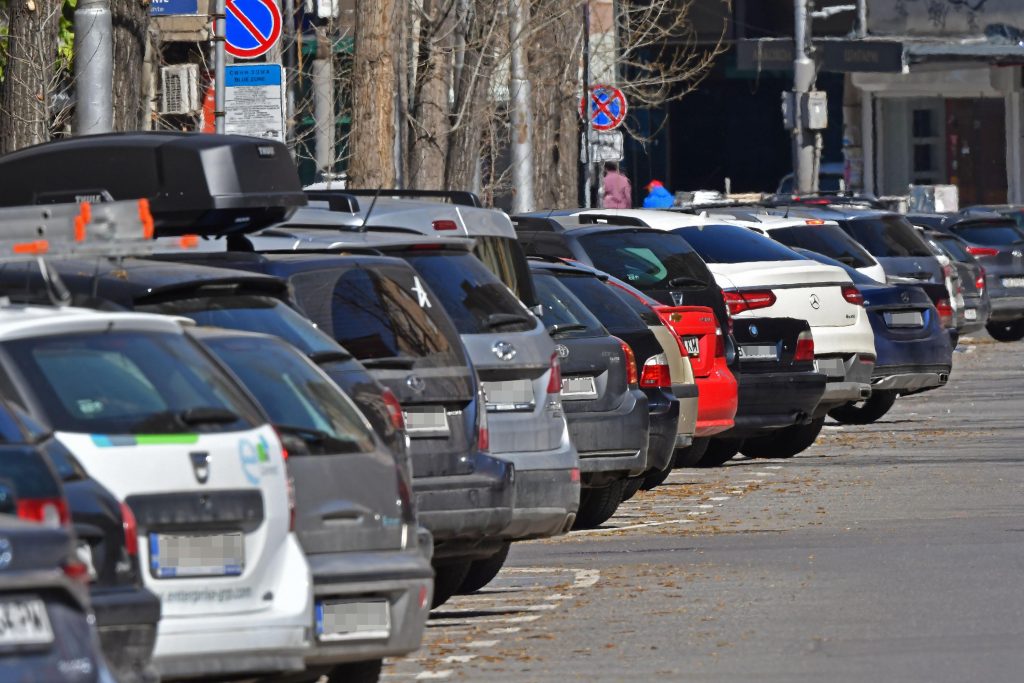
column 254, row 101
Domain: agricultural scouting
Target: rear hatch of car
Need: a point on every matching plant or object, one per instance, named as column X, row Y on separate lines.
column 769, row 345
column 999, row 247
column 697, row 332
column 897, row 246
column 901, row 312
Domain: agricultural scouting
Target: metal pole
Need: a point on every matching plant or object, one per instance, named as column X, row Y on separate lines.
column 323, row 104
column 288, row 48
column 803, row 83
column 588, row 113
column 862, row 18
column 94, row 68
column 522, row 126
column 220, row 62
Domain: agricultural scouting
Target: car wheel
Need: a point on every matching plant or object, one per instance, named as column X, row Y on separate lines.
column 719, row 452
column 598, row 505
column 633, row 485
column 784, row 443
column 655, row 478
column 1010, row 331
column 691, row 455
column 867, row 412
column 448, row 578
column 482, row 572
column 356, row 672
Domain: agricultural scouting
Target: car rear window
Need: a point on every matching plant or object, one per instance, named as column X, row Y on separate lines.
column 858, row 277
column 733, row 244
column 829, row 240
column 956, row 248
column 616, row 315
column 645, row 258
column 990, row 234
column 477, row 301
column 564, row 314
column 129, row 382
column 299, row 399
column 888, row 236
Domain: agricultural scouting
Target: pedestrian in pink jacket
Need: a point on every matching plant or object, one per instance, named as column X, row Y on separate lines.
column 617, row 192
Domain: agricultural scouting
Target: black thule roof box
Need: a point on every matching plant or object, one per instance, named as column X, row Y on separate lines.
column 195, row 183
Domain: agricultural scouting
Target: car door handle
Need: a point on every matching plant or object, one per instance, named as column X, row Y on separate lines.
column 344, row 511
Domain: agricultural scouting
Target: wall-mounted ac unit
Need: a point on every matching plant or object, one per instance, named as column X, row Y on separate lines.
column 179, row 84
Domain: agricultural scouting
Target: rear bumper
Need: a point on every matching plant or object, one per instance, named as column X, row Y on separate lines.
column 396, row 576
column 689, row 406
column 775, row 400
column 717, row 403
column 547, row 492
column 908, row 379
column 982, row 309
column 126, row 620
column 1005, row 307
column 467, row 507
column 663, row 435
column 611, row 444
column 854, row 385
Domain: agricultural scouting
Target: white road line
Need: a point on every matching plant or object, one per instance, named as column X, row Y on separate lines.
column 586, row 578
column 458, row 659
column 644, row 525
column 508, row 629
column 719, row 498
column 434, row 675
column 507, row 608
column 773, row 467
column 482, row 643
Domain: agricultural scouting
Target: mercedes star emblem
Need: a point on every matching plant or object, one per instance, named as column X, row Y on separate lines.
column 815, row 302
column 905, row 297
column 416, row 383
column 503, row 350
column 563, row 351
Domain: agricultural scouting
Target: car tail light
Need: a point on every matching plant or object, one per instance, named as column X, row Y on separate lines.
column 555, row 378
column 51, row 512
column 748, row 301
column 483, row 436
column 656, row 373
column 982, row 251
column 719, row 343
column 979, row 284
column 131, row 530
column 804, row 346
column 394, row 409
column 814, row 221
column 945, row 312
column 445, row 225
column 853, row 295
column 632, row 377
column 77, row 571
column 574, row 475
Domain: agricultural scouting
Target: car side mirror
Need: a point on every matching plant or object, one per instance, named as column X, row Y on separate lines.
column 8, row 499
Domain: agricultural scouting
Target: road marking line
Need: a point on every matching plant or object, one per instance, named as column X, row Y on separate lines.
column 718, row 498
column 482, row 643
column 585, row 532
column 586, row 578
column 508, row 629
column 434, row 675
column 773, row 467
column 458, row 659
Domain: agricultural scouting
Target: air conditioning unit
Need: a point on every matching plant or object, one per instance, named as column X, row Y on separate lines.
column 179, row 85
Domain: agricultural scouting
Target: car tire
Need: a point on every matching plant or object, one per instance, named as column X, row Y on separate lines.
column 719, row 452
column 482, row 572
column 784, row 443
column 633, row 484
column 448, row 578
column 598, row 505
column 356, row 672
column 867, row 412
column 1008, row 331
column 655, row 478
column 691, row 455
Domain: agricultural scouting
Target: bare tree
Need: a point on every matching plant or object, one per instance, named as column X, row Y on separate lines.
column 130, row 19
column 371, row 144
column 30, row 74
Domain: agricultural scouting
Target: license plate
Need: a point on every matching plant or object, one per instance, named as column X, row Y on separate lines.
column 1013, row 282
column 904, row 319
column 970, row 314
column 833, row 367
column 353, row 620
column 426, row 421
column 513, row 394
column 692, row 346
column 190, row 555
column 759, row 352
column 578, row 387
column 24, row 622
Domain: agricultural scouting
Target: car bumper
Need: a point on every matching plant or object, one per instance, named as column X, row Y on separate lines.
column 689, row 406
column 1005, row 307
column 467, row 507
column 853, row 384
column 403, row 578
column 982, row 310
column 611, row 444
column 775, row 400
column 547, row 492
column 126, row 621
column 909, row 379
column 717, row 403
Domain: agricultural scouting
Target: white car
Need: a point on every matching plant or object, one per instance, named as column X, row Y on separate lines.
column 156, row 421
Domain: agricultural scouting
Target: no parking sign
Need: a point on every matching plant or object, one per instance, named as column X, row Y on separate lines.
column 607, row 107
column 251, row 27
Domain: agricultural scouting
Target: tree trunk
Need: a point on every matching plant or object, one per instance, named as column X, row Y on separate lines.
column 428, row 138
column 131, row 21
column 30, row 75
column 371, row 155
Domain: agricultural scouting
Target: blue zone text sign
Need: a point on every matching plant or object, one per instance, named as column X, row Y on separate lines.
column 254, row 101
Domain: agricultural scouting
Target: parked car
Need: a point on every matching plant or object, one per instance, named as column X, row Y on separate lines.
column 353, row 509
column 1014, row 211
column 211, row 501
column 915, row 352
column 977, row 305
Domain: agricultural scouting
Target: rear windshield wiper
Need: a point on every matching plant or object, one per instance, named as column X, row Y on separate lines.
column 556, row 330
column 318, row 440
column 500, row 319
column 207, row 415
column 169, row 421
column 320, row 357
column 686, row 281
column 400, row 362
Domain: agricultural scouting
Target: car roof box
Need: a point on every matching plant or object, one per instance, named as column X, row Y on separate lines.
column 195, row 183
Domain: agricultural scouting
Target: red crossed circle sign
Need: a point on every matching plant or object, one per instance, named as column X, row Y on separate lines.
column 607, row 106
column 251, row 27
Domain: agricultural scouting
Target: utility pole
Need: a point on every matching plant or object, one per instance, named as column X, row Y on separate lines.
column 94, row 68
column 587, row 109
column 220, row 59
column 804, row 175
column 323, row 103
column 522, row 126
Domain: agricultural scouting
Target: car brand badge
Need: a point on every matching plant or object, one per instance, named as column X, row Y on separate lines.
column 677, row 298
column 6, row 553
column 503, row 350
column 753, row 330
column 201, row 466
column 416, row 383
column 905, row 297
column 815, row 302
column 563, row 351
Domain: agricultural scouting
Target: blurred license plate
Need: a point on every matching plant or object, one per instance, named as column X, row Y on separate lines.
column 190, row 555
column 578, row 387
column 759, row 352
column 904, row 319
column 513, row 394
column 833, row 367
column 970, row 314
column 24, row 622
column 1013, row 282
column 692, row 346
column 426, row 421
column 353, row 620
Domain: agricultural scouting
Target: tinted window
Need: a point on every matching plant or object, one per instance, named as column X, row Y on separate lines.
column 645, row 259
column 545, row 245
column 887, row 236
column 733, row 244
column 299, row 399
column 858, row 277
column 506, row 259
column 829, row 240
column 564, row 314
column 129, row 383
column 990, row 234
column 474, row 298
column 956, row 248
column 638, row 307
column 25, row 469
column 617, row 316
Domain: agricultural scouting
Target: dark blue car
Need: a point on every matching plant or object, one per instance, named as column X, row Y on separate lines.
column 915, row 352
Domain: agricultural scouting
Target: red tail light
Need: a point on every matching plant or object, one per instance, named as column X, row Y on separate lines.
column 945, row 312
column 77, row 571
column 555, row 379
column 720, row 343
column 51, row 512
column 131, row 530
column 979, row 284
column 632, row 377
column 982, row 251
column 445, row 225
column 804, row 346
column 394, row 409
column 656, row 373
column 748, row 301
column 483, row 435
column 853, row 295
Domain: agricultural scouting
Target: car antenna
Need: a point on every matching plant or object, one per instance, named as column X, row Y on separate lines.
column 362, row 227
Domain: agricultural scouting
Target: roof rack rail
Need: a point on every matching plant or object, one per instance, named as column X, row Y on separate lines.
column 460, row 197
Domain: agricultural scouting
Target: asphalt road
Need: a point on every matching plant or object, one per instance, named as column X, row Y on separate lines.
column 892, row 552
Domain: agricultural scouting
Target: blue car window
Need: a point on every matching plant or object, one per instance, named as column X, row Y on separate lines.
column 990, row 234
column 733, row 244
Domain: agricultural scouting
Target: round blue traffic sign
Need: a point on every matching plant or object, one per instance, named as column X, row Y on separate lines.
column 251, row 27
column 607, row 107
